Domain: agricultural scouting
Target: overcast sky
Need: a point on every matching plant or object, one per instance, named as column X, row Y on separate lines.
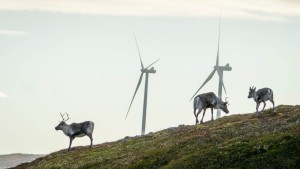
column 80, row 57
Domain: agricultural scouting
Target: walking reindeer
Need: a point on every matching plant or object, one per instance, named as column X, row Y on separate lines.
column 261, row 95
column 208, row 100
column 76, row 129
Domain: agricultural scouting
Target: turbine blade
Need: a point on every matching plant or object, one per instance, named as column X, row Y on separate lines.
column 222, row 82
column 139, row 52
column 224, row 87
column 217, row 62
column 137, row 87
column 152, row 63
column 208, row 78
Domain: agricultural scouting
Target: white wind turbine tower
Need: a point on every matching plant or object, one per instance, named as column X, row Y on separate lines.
column 220, row 70
column 146, row 71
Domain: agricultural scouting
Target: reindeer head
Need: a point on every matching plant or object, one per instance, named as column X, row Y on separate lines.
column 63, row 122
column 223, row 106
column 251, row 92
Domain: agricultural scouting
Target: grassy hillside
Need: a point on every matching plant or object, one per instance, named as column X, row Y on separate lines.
column 238, row 141
column 10, row 160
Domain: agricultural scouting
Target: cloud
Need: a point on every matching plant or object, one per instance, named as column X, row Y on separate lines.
column 2, row 95
column 270, row 10
column 12, row 33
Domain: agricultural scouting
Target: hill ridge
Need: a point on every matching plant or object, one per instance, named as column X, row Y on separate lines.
column 270, row 140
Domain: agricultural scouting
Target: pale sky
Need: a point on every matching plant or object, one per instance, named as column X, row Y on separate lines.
column 80, row 57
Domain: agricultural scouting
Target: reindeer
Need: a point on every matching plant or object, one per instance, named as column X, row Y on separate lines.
column 76, row 129
column 261, row 95
column 208, row 100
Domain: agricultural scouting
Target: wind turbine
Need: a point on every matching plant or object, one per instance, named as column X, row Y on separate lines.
column 220, row 70
column 143, row 71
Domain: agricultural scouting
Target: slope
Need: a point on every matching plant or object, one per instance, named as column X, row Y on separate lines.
column 271, row 140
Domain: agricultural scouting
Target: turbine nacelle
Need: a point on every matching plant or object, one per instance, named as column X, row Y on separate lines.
column 224, row 68
column 227, row 67
column 152, row 70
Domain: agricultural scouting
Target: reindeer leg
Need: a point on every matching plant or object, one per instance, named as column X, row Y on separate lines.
column 273, row 105
column 203, row 116
column 71, row 140
column 257, row 106
column 263, row 107
column 195, row 110
column 91, row 138
column 199, row 111
column 212, row 115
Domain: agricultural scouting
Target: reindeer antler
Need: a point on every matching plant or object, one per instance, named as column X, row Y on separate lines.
column 62, row 116
column 226, row 100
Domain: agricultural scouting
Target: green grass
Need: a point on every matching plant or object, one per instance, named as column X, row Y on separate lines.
column 271, row 140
